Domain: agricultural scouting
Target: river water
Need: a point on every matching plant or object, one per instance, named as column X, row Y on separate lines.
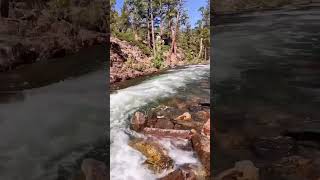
column 50, row 114
column 127, row 163
column 266, row 79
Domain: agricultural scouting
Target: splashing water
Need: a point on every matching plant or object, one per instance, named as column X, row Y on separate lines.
column 126, row 163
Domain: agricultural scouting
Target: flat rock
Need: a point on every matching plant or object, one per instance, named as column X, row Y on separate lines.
column 167, row 133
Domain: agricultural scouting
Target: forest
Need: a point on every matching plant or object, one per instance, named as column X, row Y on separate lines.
column 162, row 30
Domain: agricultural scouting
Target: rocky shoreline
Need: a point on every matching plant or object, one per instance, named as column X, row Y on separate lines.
column 184, row 123
column 129, row 62
column 33, row 34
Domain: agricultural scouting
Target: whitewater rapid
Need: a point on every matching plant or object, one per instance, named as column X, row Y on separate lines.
column 126, row 163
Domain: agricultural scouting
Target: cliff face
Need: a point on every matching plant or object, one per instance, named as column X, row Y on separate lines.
column 236, row 6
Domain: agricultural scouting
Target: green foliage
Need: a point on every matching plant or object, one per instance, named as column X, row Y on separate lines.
column 129, row 37
column 133, row 24
column 93, row 15
column 158, row 61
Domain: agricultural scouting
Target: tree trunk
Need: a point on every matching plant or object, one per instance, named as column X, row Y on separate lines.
column 148, row 36
column 205, row 53
column 4, row 8
column 201, row 48
column 152, row 30
column 174, row 31
column 201, row 41
column 161, row 20
column 161, row 27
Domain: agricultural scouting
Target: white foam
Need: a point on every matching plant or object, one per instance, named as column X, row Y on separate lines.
column 126, row 163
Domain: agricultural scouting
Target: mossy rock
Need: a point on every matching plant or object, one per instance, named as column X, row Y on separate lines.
column 157, row 157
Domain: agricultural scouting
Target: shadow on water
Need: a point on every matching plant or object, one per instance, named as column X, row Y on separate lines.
column 266, row 79
column 50, row 71
column 51, row 114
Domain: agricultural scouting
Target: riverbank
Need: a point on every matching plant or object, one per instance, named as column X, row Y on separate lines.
column 33, row 33
column 128, row 61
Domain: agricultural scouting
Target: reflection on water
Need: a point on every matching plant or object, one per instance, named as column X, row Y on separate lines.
column 50, row 114
column 267, row 77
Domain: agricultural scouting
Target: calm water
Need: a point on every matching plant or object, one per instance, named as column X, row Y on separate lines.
column 50, row 114
column 266, row 77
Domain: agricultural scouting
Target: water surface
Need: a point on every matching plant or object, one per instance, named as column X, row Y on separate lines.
column 266, row 77
column 50, row 114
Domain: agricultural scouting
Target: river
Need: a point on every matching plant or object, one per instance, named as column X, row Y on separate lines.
column 127, row 163
column 50, row 114
column 266, row 80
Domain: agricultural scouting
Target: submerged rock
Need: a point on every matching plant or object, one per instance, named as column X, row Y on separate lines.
column 138, row 121
column 243, row 170
column 186, row 172
column 158, row 159
column 201, row 144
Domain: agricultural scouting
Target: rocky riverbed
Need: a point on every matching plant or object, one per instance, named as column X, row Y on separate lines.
column 184, row 123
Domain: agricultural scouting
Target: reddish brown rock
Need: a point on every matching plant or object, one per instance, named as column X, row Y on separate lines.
column 186, row 172
column 203, row 115
column 138, row 121
column 180, row 124
column 167, row 133
column 94, row 170
column 164, row 124
column 201, row 145
column 184, row 117
column 206, row 129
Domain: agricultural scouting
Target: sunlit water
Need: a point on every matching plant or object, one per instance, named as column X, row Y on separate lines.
column 127, row 163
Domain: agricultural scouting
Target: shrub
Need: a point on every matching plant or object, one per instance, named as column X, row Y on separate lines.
column 157, row 62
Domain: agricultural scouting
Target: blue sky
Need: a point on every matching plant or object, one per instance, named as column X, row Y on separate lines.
column 192, row 7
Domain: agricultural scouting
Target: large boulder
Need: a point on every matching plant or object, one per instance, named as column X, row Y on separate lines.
column 201, row 145
column 158, row 159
